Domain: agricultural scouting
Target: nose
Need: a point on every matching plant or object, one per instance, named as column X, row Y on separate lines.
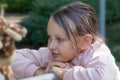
column 52, row 45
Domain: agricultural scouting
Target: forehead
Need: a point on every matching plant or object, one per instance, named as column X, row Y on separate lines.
column 54, row 29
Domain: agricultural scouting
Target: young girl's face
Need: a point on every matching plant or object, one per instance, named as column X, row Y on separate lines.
column 59, row 44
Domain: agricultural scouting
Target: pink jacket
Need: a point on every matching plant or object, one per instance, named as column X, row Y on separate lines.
column 96, row 63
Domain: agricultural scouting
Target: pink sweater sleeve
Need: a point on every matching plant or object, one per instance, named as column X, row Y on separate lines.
column 28, row 61
column 98, row 65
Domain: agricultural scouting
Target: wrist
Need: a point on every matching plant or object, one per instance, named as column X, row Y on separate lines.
column 65, row 70
column 38, row 72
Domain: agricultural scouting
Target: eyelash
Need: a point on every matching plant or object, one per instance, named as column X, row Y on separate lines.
column 58, row 39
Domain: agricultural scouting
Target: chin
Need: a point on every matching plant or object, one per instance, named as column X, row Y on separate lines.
column 59, row 60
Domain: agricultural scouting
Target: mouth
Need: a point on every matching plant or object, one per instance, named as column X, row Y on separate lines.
column 55, row 55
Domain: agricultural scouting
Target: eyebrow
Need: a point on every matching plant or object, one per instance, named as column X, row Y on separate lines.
column 60, row 35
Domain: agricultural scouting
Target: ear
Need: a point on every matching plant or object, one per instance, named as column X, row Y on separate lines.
column 85, row 41
column 88, row 39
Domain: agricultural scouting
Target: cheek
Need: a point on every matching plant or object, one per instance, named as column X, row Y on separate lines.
column 48, row 44
column 67, row 52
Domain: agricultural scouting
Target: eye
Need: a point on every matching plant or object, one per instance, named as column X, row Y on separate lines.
column 60, row 40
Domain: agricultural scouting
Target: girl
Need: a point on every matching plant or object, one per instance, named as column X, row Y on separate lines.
column 75, row 51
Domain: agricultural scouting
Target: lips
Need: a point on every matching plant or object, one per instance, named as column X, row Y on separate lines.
column 55, row 55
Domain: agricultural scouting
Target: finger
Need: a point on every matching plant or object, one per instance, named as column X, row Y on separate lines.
column 68, row 65
column 47, row 69
column 54, row 69
column 50, row 64
column 54, row 63
column 58, row 64
column 58, row 71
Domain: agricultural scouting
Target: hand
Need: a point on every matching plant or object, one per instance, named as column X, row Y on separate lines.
column 59, row 68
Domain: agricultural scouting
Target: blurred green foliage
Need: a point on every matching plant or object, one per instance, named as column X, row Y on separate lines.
column 112, row 10
column 17, row 6
column 39, row 16
column 3, row 5
column 40, row 11
column 113, row 39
